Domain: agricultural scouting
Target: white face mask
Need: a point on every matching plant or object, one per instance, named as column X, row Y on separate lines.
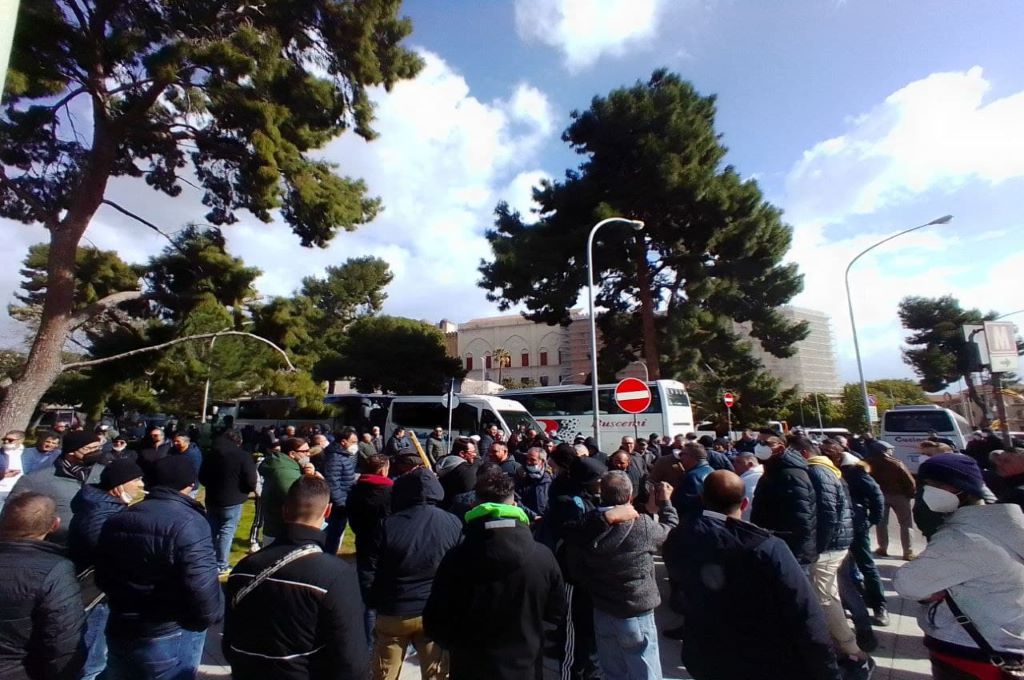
column 303, row 461
column 763, row 451
column 11, row 447
column 676, row 452
column 940, row 500
column 352, row 449
column 126, row 497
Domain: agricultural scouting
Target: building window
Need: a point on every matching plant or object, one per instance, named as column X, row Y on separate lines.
column 469, row 362
column 526, row 359
column 543, row 381
column 487, row 361
column 543, row 357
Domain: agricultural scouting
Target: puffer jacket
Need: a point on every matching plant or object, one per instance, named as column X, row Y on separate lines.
column 615, row 564
column 835, row 514
column 785, row 504
column 155, row 561
column 410, row 545
column 339, row 473
column 92, row 507
column 686, row 496
column 866, row 495
column 41, row 616
column 977, row 554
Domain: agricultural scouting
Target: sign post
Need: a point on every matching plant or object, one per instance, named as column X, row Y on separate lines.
column 729, row 399
column 1001, row 340
column 872, row 408
column 451, row 402
column 633, row 396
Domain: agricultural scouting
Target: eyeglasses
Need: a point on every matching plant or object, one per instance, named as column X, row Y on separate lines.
column 305, row 450
column 9, row 440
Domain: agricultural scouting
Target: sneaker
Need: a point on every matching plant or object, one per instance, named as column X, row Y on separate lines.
column 909, row 555
column 253, row 548
column 881, row 552
column 866, row 640
column 854, row 668
column 881, row 618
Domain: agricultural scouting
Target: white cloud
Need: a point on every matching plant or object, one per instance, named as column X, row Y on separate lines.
column 935, row 133
column 926, row 146
column 586, row 30
column 443, row 160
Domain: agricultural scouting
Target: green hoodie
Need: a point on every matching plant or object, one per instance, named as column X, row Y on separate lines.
column 497, row 511
column 279, row 473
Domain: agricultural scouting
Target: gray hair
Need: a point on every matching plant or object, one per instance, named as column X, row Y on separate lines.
column 581, row 450
column 616, row 489
column 540, row 452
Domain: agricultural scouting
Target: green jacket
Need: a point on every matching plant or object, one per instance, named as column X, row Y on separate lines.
column 279, row 473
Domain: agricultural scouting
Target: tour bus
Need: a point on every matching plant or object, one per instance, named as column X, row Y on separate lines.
column 471, row 415
column 567, row 411
column 906, row 426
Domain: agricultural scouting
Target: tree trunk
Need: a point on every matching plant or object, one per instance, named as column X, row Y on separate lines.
column 44, row 359
column 648, row 329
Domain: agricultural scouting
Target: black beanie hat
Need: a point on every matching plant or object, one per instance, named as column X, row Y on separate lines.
column 73, row 441
column 587, row 470
column 174, row 472
column 118, row 472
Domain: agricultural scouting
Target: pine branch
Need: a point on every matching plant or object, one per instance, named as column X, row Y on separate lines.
column 102, row 305
column 164, row 345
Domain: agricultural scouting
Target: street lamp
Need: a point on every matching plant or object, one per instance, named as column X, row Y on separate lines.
column 945, row 219
column 637, row 226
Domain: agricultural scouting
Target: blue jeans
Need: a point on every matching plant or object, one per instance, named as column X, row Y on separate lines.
column 175, row 656
column 864, row 563
column 627, row 648
column 223, row 524
column 850, row 596
column 96, row 641
column 335, row 530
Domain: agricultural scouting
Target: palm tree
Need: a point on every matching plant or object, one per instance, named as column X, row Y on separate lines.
column 502, row 357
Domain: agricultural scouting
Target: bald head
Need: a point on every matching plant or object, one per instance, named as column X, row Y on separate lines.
column 724, row 493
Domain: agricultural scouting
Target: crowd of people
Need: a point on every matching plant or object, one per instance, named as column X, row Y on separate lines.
column 488, row 554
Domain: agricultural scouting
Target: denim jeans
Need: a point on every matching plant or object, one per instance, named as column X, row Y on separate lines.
column 175, row 656
column 96, row 641
column 335, row 531
column 850, row 596
column 864, row 563
column 223, row 524
column 627, row 648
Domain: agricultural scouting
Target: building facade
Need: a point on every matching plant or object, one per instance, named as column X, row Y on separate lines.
column 552, row 355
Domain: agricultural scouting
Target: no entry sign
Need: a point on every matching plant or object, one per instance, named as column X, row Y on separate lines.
column 632, row 395
column 728, row 399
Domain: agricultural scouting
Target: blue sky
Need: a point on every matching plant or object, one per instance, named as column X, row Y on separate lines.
column 858, row 118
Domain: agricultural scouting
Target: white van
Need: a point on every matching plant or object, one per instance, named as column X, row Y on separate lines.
column 473, row 414
column 906, row 426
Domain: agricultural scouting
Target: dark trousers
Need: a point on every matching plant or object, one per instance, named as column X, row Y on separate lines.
column 336, row 524
column 579, row 659
column 864, row 562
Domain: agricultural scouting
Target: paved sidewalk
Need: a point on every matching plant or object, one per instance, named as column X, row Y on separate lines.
column 900, row 654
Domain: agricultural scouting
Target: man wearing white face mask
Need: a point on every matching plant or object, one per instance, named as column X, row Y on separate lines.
column 972, row 571
column 340, row 475
column 784, row 500
column 10, row 462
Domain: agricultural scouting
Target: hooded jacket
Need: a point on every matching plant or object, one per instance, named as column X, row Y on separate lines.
column 734, row 581
column 92, row 507
column 491, row 596
column 865, row 494
column 615, row 564
column 835, row 514
column 229, row 475
column 41, row 615
column 279, row 473
column 785, row 504
column 533, row 489
column 977, row 554
column 410, row 545
column 369, row 503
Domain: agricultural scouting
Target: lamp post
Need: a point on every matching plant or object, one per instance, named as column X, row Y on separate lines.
column 637, row 226
column 945, row 219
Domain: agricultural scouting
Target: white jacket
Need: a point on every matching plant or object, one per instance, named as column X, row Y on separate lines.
column 978, row 556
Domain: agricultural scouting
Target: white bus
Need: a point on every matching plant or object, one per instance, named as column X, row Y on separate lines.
column 906, row 426
column 567, row 411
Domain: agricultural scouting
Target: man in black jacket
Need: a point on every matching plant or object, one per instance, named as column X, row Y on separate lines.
column 749, row 611
column 493, row 592
column 369, row 503
column 156, row 563
column 41, row 615
column 461, row 478
column 151, row 449
column 229, row 475
column 784, row 500
column 293, row 612
column 408, row 547
column 615, row 565
column 834, row 536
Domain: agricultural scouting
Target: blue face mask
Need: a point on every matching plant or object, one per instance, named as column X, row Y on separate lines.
column 535, row 469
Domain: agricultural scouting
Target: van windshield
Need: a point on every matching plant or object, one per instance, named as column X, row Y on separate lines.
column 516, row 418
column 918, row 421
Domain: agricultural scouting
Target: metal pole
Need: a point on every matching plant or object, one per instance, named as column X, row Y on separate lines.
column 593, row 320
column 451, row 394
column 817, row 408
column 1004, row 424
column 853, row 323
column 209, row 371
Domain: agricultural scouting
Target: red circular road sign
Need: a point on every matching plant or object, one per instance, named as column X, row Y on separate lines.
column 728, row 399
column 632, row 395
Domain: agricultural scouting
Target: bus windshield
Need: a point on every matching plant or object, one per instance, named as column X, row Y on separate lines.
column 918, row 421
